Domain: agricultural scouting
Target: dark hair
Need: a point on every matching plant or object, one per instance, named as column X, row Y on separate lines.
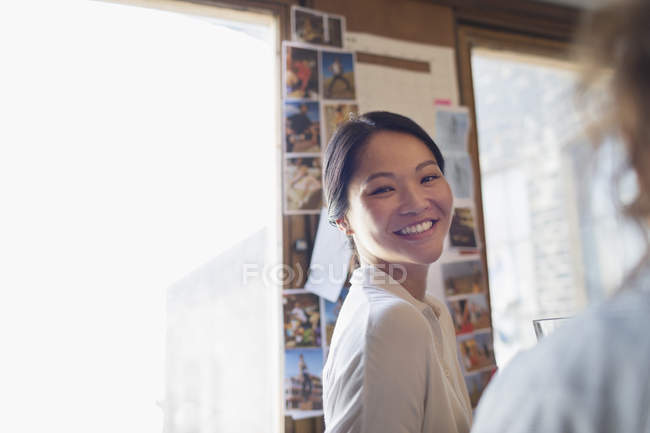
column 341, row 156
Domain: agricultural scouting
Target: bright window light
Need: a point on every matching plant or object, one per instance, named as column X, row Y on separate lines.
column 138, row 145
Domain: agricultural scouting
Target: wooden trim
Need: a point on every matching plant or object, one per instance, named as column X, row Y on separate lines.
column 469, row 38
column 466, row 89
column 420, row 21
column 393, row 62
column 527, row 17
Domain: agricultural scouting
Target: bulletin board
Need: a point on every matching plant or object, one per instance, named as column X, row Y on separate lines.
column 374, row 73
column 420, row 81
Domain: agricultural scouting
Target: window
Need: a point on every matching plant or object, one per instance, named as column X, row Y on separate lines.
column 523, row 125
column 554, row 242
column 139, row 175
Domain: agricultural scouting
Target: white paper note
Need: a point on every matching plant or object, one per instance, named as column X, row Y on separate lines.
column 330, row 261
column 452, row 129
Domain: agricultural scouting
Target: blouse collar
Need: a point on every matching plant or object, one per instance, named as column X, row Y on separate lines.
column 372, row 275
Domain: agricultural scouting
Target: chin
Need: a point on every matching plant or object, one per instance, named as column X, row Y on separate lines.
column 424, row 258
column 430, row 258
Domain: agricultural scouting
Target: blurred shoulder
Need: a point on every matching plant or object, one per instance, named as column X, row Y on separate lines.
column 572, row 380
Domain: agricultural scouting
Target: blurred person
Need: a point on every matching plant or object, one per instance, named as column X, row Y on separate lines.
column 593, row 374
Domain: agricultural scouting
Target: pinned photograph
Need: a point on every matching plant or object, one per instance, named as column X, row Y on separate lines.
column 302, row 127
column 308, row 25
column 452, row 129
column 337, row 70
column 300, row 73
column 303, row 384
column 335, row 30
column 335, row 115
column 460, row 315
column 461, row 232
column 461, row 278
column 332, row 310
column 470, row 313
column 476, row 352
column 302, row 314
column 479, row 311
column 303, row 185
column 458, row 172
column 476, row 383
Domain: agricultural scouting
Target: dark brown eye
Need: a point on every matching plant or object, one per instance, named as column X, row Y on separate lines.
column 381, row 190
column 429, row 179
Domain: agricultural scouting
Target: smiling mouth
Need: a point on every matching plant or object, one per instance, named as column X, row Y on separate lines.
column 416, row 229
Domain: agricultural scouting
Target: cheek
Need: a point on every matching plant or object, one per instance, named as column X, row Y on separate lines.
column 444, row 197
column 370, row 220
column 375, row 215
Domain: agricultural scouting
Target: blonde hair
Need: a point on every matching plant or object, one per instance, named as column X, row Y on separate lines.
column 613, row 46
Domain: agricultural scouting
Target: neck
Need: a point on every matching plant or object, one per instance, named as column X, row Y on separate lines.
column 413, row 277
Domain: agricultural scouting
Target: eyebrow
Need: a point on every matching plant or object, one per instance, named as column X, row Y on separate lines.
column 391, row 175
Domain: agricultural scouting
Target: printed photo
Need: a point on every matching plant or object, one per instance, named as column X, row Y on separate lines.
column 303, row 185
column 461, row 232
column 460, row 315
column 470, row 313
column 476, row 383
column 458, row 172
column 335, row 115
column 335, row 31
column 332, row 310
column 300, row 72
column 452, row 129
column 302, row 127
column 308, row 25
column 301, row 320
column 479, row 311
column 463, row 278
column 338, row 75
column 477, row 352
column 303, row 385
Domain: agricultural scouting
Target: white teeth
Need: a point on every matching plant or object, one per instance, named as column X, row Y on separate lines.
column 418, row 228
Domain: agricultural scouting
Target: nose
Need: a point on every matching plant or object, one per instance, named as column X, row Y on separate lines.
column 414, row 201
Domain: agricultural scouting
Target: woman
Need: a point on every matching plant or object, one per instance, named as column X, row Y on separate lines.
column 593, row 374
column 392, row 365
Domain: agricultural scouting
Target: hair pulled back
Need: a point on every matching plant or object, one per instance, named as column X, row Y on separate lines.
column 345, row 147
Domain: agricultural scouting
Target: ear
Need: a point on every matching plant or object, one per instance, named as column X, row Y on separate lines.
column 343, row 225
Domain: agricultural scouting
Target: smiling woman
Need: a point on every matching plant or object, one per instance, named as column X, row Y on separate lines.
column 392, row 363
column 388, row 208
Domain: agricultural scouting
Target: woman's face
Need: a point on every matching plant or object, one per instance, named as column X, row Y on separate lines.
column 400, row 204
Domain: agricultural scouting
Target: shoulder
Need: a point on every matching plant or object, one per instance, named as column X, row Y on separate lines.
column 390, row 316
column 440, row 310
column 573, row 380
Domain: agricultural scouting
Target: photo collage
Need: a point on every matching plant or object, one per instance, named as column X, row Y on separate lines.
column 308, row 328
column 463, row 277
column 319, row 93
column 451, row 134
column 468, row 303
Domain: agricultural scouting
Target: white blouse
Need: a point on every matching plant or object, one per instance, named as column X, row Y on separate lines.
column 393, row 365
